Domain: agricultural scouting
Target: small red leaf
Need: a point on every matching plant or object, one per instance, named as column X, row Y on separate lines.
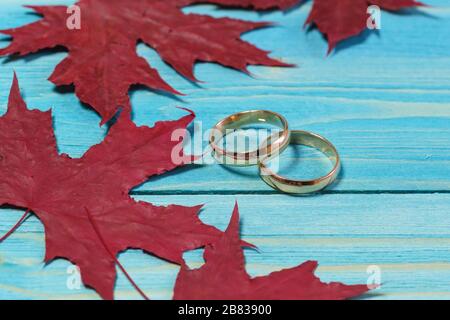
column 75, row 197
column 223, row 277
column 102, row 61
column 342, row 19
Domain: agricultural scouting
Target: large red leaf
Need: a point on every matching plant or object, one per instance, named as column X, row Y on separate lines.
column 223, row 277
column 342, row 19
column 102, row 61
column 84, row 203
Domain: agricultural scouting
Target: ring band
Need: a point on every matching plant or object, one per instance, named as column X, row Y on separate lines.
column 304, row 186
column 273, row 145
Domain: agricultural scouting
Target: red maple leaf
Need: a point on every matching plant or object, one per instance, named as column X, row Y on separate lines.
column 342, row 19
column 102, row 61
column 223, row 277
column 84, row 204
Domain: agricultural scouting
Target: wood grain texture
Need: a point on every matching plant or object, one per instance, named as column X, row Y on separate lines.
column 384, row 102
column 346, row 233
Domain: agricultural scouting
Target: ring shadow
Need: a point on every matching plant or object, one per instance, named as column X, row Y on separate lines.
column 246, row 172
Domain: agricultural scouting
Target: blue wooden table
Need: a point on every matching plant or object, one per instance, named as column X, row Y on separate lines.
column 384, row 101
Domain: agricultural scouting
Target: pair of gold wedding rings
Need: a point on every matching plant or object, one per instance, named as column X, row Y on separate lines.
column 273, row 147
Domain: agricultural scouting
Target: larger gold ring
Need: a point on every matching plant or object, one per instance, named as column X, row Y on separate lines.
column 304, row 186
column 274, row 145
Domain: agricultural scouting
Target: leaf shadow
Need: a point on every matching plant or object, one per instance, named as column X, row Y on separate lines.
column 190, row 81
column 369, row 296
column 366, row 34
column 165, row 175
column 417, row 11
column 70, row 89
column 30, row 57
column 237, row 8
column 355, row 41
column 12, row 207
column 140, row 87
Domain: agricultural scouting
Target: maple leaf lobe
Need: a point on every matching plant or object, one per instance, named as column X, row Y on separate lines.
column 344, row 19
column 102, row 62
column 223, row 277
column 60, row 190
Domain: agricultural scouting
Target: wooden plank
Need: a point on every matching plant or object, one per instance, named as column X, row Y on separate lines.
column 385, row 104
column 407, row 236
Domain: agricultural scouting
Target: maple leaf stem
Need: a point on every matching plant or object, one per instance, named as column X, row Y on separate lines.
column 14, row 228
column 113, row 256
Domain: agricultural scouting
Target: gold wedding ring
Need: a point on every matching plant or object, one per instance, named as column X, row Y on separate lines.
column 271, row 147
column 303, row 186
column 274, row 145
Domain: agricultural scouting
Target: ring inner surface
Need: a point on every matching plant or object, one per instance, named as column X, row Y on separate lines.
column 304, row 186
column 311, row 140
column 251, row 117
column 239, row 121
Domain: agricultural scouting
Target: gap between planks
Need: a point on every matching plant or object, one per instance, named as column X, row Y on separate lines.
column 274, row 192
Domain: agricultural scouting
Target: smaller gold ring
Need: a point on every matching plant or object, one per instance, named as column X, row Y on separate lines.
column 274, row 145
column 304, row 186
